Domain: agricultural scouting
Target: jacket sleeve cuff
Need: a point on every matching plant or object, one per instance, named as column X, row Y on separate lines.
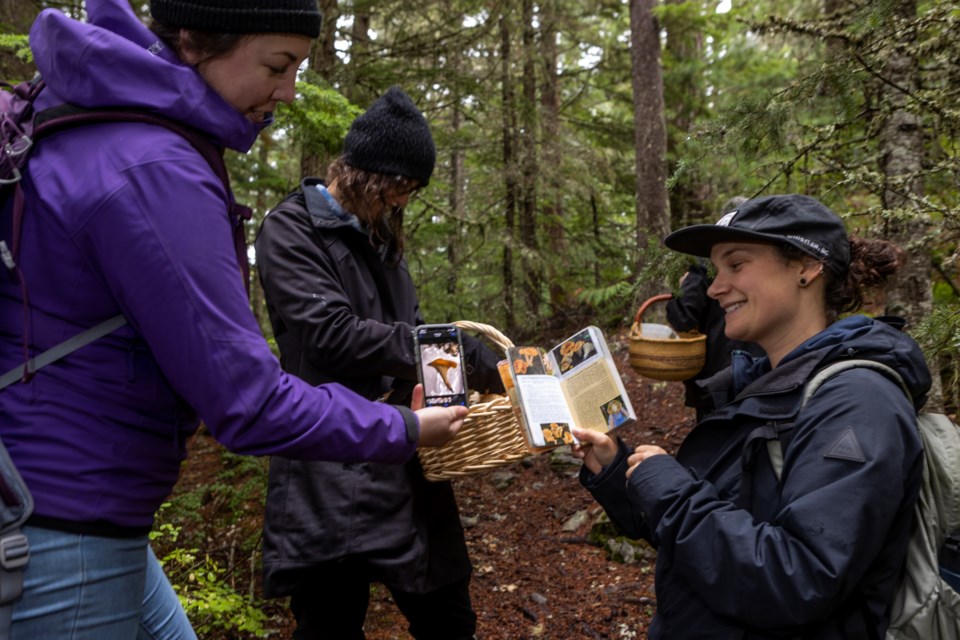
column 616, row 470
column 412, row 423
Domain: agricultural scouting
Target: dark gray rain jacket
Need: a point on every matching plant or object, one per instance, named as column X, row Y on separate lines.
column 343, row 310
column 816, row 555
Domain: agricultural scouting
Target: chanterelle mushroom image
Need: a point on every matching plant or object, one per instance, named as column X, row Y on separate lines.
column 443, row 367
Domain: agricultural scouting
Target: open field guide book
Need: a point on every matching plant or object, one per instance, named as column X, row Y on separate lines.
column 576, row 383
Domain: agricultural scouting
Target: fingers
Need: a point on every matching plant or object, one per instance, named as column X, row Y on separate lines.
column 417, row 399
column 596, row 449
column 438, row 425
column 642, row 453
column 589, row 436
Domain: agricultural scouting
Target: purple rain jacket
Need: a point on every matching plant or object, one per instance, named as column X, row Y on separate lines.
column 128, row 218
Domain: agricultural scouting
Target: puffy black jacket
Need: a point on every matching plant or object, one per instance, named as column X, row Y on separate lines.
column 343, row 310
column 816, row 555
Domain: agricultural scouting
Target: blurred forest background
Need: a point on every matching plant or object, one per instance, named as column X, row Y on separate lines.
column 572, row 135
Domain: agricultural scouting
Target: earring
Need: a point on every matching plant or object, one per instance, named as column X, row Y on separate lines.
column 803, row 282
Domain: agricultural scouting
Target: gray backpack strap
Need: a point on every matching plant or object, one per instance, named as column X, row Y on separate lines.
column 833, row 369
column 14, row 554
column 66, row 347
column 775, row 449
column 14, row 549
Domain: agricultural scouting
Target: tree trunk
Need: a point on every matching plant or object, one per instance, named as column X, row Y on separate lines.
column 552, row 156
column 909, row 294
column 323, row 59
column 509, row 173
column 653, row 219
column 359, row 48
column 257, row 299
column 685, row 46
column 528, row 171
column 457, row 192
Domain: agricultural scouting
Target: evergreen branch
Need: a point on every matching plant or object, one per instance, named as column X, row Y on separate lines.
column 945, row 113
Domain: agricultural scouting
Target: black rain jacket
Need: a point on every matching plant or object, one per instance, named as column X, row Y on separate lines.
column 343, row 310
column 816, row 555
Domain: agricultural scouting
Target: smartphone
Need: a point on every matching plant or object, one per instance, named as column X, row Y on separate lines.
column 440, row 366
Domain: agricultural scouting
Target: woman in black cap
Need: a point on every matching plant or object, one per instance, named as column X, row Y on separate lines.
column 132, row 225
column 779, row 519
column 693, row 310
column 343, row 308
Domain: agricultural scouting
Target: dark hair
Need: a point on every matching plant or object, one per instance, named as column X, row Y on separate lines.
column 872, row 262
column 206, row 44
column 364, row 194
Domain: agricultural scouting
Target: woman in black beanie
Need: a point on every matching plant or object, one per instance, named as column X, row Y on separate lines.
column 343, row 308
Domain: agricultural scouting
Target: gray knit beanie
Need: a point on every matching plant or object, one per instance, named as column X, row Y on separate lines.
column 392, row 138
column 240, row 16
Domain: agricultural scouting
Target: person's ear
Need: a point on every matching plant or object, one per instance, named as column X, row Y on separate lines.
column 810, row 270
column 185, row 48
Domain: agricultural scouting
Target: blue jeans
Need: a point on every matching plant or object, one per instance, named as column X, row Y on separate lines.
column 82, row 587
column 162, row 617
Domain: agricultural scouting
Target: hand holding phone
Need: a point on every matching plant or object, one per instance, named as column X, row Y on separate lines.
column 440, row 365
column 438, row 425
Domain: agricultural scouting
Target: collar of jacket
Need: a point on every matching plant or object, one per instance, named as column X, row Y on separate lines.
column 325, row 212
column 774, row 396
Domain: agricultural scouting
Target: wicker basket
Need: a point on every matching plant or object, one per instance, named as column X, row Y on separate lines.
column 655, row 355
column 490, row 437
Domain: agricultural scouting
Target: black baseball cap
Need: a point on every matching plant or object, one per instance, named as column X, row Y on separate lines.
column 796, row 220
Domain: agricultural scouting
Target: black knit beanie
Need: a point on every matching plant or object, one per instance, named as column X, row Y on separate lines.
column 392, row 138
column 240, row 16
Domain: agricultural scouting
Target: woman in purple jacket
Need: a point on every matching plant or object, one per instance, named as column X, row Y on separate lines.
column 128, row 218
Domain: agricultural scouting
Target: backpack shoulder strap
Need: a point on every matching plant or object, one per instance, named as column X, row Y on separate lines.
column 775, row 448
column 60, row 350
column 68, row 116
column 833, row 369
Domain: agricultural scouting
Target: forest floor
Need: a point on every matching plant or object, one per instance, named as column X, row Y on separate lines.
column 538, row 571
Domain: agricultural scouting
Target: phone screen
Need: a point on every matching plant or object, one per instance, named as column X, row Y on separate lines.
column 440, row 365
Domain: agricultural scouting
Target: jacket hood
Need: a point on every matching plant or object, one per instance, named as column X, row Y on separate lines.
column 115, row 61
column 325, row 212
column 855, row 337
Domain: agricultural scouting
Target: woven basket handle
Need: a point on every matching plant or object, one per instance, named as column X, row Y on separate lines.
column 647, row 303
column 487, row 331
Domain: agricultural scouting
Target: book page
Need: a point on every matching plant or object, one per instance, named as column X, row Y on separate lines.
column 504, row 368
column 594, row 398
column 576, row 351
column 592, row 385
column 546, row 416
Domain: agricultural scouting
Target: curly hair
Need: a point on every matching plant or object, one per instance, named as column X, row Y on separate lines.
column 364, row 194
column 872, row 263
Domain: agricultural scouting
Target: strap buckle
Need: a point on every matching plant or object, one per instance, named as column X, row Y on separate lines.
column 14, row 551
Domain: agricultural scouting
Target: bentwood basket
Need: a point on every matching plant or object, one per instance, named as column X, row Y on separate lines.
column 657, row 352
column 490, row 437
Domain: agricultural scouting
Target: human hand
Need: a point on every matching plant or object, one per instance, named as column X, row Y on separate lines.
column 596, row 449
column 640, row 454
column 438, row 425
